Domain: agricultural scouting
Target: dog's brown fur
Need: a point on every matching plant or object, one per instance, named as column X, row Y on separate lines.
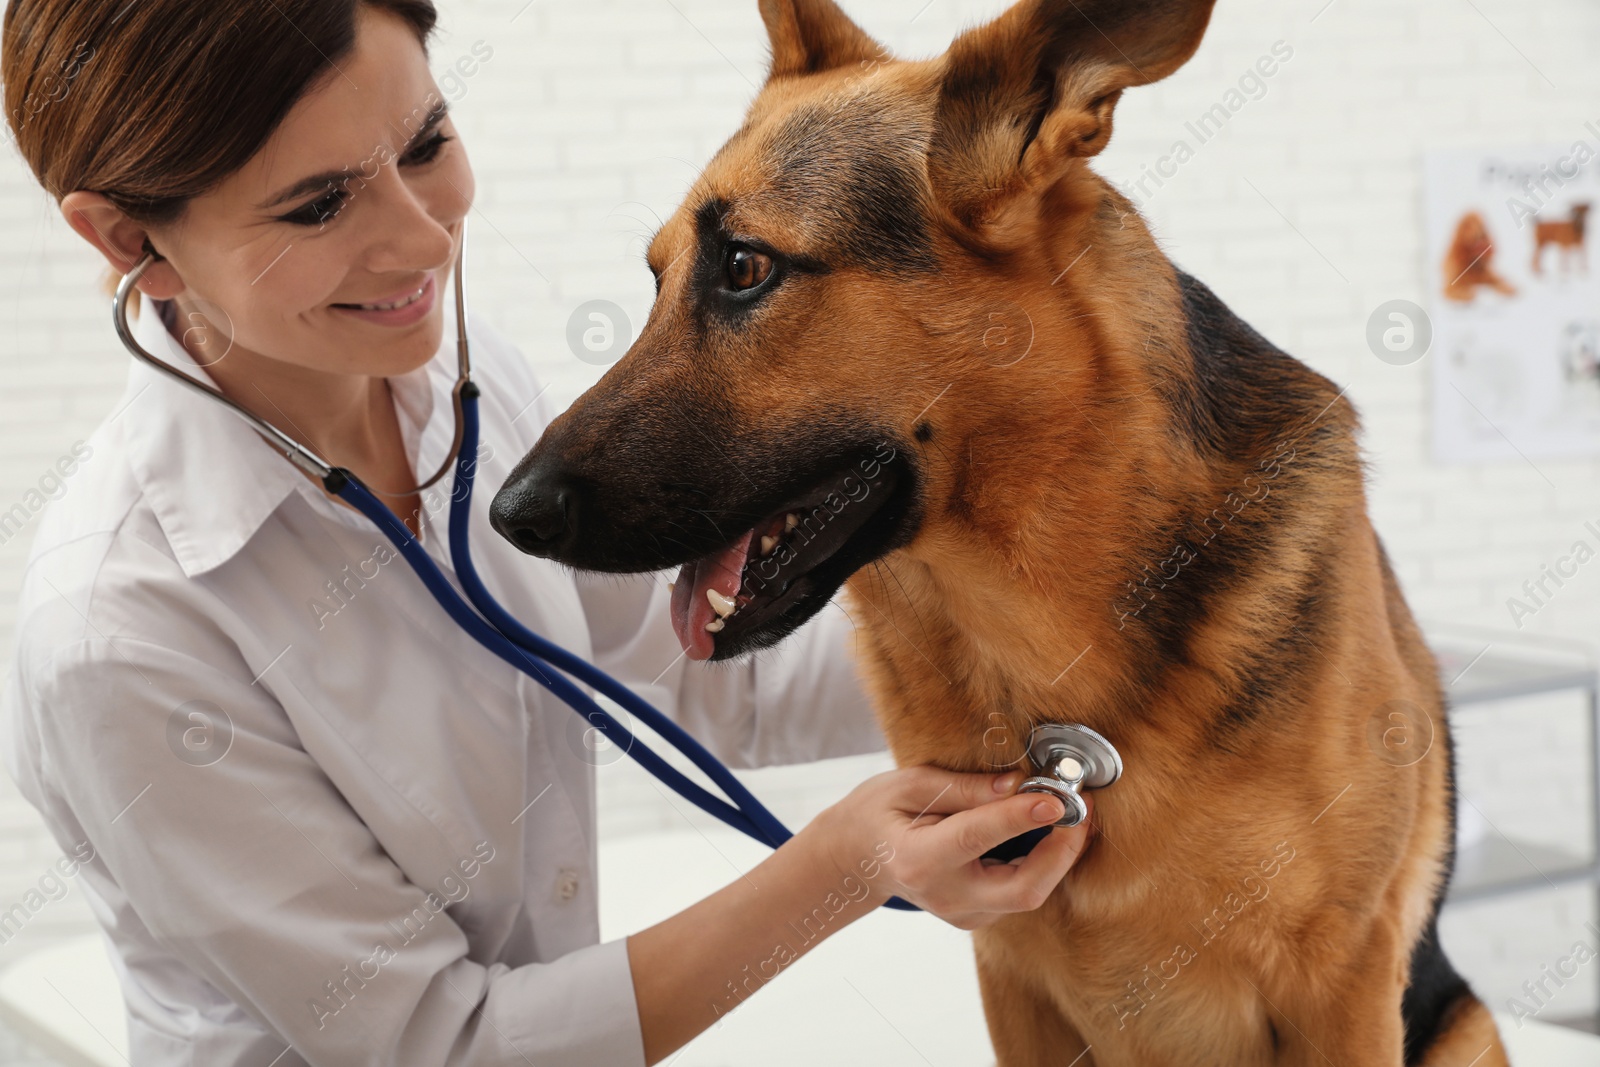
column 1129, row 511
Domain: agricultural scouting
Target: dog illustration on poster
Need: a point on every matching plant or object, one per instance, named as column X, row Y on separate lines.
column 1469, row 263
column 1570, row 236
column 1516, row 309
column 1580, row 353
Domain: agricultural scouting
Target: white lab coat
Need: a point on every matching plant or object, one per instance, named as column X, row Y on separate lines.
column 321, row 815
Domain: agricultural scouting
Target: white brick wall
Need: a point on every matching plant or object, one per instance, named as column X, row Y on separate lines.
column 592, row 117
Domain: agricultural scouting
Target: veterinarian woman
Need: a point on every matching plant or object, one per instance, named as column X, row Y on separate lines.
column 326, row 826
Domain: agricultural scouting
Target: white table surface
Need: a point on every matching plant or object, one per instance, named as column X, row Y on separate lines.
column 894, row 989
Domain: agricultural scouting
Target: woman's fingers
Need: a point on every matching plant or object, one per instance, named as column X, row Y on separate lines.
column 1051, row 859
column 935, row 791
column 1026, row 885
column 966, row 835
column 945, row 821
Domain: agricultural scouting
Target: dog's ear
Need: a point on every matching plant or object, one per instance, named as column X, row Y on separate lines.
column 811, row 36
column 1023, row 96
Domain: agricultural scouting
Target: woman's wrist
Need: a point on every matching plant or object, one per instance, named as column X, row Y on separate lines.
column 691, row 969
column 854, row 863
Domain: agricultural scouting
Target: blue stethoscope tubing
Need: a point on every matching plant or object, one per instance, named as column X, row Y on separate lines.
column 484, row 618
column 498, row 631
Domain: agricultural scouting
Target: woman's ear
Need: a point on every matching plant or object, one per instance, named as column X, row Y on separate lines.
column 120, row 240
column 1024, row 96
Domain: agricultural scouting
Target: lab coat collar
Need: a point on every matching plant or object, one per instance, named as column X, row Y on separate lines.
column 212, row 480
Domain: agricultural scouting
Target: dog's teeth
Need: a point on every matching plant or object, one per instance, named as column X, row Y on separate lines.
column 791, row 522
column 768, row 544
column 672, row 587
column 715, row 626
column 722, row 605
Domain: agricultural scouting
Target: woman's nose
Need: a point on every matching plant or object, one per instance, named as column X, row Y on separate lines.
column 416, row 233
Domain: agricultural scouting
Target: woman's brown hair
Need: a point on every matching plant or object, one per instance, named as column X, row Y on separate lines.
column 153, row 102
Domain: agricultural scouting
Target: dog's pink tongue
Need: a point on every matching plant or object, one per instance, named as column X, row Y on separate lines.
column 691, row 608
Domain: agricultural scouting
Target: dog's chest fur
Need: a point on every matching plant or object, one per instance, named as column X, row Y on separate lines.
column 1256, row 840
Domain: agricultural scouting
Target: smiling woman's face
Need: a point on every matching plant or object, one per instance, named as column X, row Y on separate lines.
column 332, row 248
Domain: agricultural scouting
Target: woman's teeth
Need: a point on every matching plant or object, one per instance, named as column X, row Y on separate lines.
column 398, row 304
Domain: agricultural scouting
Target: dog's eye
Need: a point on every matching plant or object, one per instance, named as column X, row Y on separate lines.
column 747, row 268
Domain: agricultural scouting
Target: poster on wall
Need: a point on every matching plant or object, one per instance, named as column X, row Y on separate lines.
column 1514, row 272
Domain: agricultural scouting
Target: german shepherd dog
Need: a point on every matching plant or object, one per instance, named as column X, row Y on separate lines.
column 907, row 341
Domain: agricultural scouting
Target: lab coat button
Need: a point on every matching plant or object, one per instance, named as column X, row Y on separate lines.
column 567, row 884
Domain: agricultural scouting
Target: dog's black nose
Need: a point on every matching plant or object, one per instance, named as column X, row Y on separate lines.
column 537, row 511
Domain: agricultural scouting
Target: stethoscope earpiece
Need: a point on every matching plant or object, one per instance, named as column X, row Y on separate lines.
column 1070, row 758
column 300, row 455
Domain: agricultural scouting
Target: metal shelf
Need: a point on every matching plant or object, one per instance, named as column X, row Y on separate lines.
column 1482, row 667
column 1499, row 865
column 1490, row 672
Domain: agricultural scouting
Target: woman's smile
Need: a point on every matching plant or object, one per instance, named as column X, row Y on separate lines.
column 405, row 308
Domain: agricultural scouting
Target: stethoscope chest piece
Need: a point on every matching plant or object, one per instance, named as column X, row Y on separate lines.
column 1070, row 758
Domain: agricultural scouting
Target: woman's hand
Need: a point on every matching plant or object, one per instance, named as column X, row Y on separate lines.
column 918, row 833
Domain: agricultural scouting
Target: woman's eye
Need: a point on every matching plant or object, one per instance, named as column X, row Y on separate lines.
column 326, row 207
column 748, row 269
column 428, row 150
column 320, row 211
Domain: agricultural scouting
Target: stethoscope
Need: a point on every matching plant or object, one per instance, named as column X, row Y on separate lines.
column 1070, row 758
